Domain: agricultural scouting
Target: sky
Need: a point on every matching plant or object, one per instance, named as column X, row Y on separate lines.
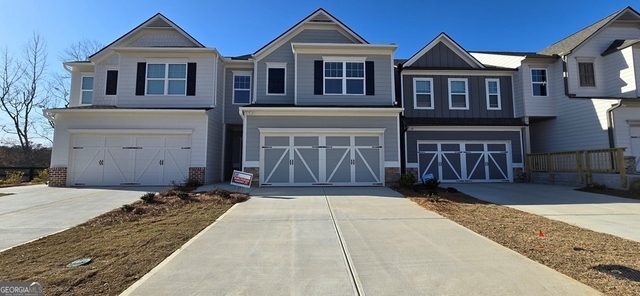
column 242, row 27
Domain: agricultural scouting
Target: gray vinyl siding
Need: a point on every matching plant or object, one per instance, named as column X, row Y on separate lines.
column 383, row 90
column 414, row 136
column 151, row 38
column 284, row 54
column 441, row 56
column 388, row 122
column 213, row 173
column 231, row 114
column 477, row 98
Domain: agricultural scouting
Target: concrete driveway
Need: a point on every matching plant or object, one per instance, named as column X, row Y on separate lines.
column 31, row 212
column 345, row 241
column 602, row 213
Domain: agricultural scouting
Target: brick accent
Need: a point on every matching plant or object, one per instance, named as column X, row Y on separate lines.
column 630, row 164
column 518, row 175
column 414, row 171
column 57, row 177
column 256, row 175
column 196, row 174
column 391, row 176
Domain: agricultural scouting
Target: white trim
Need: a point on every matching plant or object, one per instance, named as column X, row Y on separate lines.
column 401, row 91
column 486, row 83
column 255, row 82
column 82, row 77
column 449, row 43
column 411, row 165
column 343, row 48
column 392, row 164
column 215, row 85
column 166, row 60
column 464, row 128
column 321, row 131
column 409, row 71
column 319, row 111
column 343, row 59
column 344, row 77
column 114, row 110
column 517, row 165
column 295, row 78
column 245, row 163
column 166, row 78
column 135, row 131
column 272, row 65
column 253, row 163
column 233, row 86
column 545, row 83
column 466, row 93
column 393, row 83
column 406, row 159
column 415, row 93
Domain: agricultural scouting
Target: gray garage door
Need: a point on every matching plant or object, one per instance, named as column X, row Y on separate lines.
column 340, row 160
column 466, row 161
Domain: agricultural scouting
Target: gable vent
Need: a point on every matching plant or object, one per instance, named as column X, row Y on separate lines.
column 158, row 23
column 321, row 18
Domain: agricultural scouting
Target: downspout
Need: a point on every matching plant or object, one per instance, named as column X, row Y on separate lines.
column 612, row 143
column 403, row 124
column 565, row 78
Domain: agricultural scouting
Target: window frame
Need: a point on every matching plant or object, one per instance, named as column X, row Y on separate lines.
column 344, row 78
column 593, row 73
column 466, row 93
column 166, row 78
column 233, row 86
column 486, row 83
column 276, row 66
column 545, row 83
column 415, row 93
column 82, row 90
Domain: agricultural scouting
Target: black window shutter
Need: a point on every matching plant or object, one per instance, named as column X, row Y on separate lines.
column 112, row 83
column 191, row 79
column 140, row 78
column 276, row 81
column 370, row 78
column 318, row 78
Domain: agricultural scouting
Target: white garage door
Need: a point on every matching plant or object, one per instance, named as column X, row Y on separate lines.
column 466, row 161
column 129, row 160
column 340, row 160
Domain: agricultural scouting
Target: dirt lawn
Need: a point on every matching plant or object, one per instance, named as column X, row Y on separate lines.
column 607, row 263
column 124, row 245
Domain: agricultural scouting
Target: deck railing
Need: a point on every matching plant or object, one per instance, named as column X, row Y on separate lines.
column 583, row 162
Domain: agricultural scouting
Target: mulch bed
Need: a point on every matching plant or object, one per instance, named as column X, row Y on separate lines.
column 124, row 245
column 590, row 257
column 633, row 193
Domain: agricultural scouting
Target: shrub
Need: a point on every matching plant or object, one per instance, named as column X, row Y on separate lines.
column 148, row 197
column 225, row 194
column 597, row 186
column 191, row 183
column 127, row 208
column 407, row 181
column 43, row 176
column 433, row 197
column 13, row 178
column 182, row 195
column 432, row 184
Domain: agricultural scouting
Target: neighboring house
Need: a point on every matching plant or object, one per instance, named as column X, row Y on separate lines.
column 459, row 122
column 581, row 92
column 315, row 106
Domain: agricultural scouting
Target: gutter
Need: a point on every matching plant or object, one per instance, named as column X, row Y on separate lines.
column 612, row 143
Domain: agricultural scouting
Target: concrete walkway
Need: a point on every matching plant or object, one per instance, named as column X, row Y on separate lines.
column 345, row 241
column 34, row 211
column 598, row 212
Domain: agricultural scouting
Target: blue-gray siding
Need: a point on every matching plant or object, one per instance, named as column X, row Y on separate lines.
column 284, row 54
column 414, row 136
column 388, row 122
column 441, row 56
column 477, row 98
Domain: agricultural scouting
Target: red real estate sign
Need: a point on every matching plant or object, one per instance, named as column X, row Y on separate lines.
column 241, row 179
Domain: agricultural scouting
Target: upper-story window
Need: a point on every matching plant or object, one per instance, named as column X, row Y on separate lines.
column 241, row 87
column 458, row 94
column 166, row 79
column 87, row 90
column 539, row 82
column 276, row 78
column 111, row 88
column 493, row 94
column 587, row 75
column 344, row 77
column 423, row 93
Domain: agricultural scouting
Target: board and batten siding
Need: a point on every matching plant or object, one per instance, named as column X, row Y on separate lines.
column 284, row 54
column 383, row 94
column 461, row 136
column 231, row 115
column 389, row 123
column 477, row 98
column 518, row 99
column 204, row 83
column 114, row 120
column 441, row 55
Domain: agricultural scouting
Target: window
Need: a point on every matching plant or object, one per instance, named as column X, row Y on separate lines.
column 587, row 76
column 493, row 94
column 539, row 82
column 423, row 93
column 458, row 95
column 87, row 90
column 166, row 79
column 111, row 88
column 242, row 87
column 276, row 78
column 344, row 78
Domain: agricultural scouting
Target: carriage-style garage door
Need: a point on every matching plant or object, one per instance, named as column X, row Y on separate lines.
column 466, row 161
column 129, row 160
column 321, row 160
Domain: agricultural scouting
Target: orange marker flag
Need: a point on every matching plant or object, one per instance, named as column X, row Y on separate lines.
column 540, row 234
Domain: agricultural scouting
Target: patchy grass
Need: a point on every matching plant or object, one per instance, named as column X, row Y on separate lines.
column 579, row 253
column 125, row 244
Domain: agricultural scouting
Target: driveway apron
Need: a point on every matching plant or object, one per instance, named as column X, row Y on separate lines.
column 345, row 241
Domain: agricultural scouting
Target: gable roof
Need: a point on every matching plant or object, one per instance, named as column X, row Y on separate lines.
column 454, row 46
column 318, row 16
column 567, row 45
column 156, row 21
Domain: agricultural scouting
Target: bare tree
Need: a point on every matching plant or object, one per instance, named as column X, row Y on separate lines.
column 80, row 51
column 21, row 92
